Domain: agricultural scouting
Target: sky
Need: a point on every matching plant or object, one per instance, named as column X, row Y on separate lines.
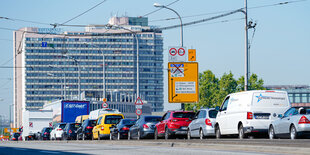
column 279, row 52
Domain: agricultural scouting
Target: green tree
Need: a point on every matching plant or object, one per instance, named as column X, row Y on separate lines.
column 254, row 83
column 227, row 85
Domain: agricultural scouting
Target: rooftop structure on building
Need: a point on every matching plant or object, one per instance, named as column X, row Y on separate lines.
column 99, row 62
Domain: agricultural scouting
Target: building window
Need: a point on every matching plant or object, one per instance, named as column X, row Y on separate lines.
column 304, row 98
column 297, row 98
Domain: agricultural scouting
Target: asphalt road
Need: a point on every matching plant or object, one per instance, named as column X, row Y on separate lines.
column 155, row 147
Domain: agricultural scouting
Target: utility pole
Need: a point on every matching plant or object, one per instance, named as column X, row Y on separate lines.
column 246, row 76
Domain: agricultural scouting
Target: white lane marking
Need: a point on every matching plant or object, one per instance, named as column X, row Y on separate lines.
column 49, row 152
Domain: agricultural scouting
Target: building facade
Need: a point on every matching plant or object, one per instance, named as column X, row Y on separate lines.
column 116, row 63
column 299, row 95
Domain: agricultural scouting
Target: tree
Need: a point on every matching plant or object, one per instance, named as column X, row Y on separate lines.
column 227, row 85
column 253, row 83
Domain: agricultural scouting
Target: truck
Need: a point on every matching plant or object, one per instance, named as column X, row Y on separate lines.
column 71, row 109
column 34, row 121
column 96, row 113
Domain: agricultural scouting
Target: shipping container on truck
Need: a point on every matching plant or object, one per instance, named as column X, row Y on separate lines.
column 34, row 121
column 71, row 109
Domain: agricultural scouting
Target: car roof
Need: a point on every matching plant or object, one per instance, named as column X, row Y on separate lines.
column 116, row 114
column 179, row 111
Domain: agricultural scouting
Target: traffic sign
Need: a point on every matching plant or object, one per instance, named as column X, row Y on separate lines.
column 139, row 112
column 191, row 54
column 50, row 124
column 138, row 101
column 30, row 124
column 104, row 105
column 104, row 100
column 177, row 54
column 183, row 82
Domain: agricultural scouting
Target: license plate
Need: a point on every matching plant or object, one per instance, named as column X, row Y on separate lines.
column 184, row 128
column 261, row 117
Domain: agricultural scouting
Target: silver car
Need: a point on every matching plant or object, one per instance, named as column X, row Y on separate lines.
column 203, row 124
column 293, row 124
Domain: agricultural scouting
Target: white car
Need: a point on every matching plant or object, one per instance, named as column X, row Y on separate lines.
column 57, row 131
column 250, row 112
column 293, row 124
column 203, row 124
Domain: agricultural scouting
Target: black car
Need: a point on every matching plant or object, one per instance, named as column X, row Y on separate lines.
column 15, row 136
column 144, row 127
column 85, row 131
column 121, row 129
column 45, row 133
column 70, row 131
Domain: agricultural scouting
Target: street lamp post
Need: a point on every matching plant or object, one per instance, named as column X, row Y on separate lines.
column 64, row 76
column 79, row 74
column 181, row 24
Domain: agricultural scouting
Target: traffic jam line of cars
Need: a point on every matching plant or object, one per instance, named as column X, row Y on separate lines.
column 243, row 114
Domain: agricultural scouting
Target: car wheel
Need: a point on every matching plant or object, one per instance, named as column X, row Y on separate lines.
column 129, row 135
column 83, row 136
column 241, row 132
column 167, row 136
column 293, row 133
column 271, row 132
column 155, row 134
column 98, row 136
column 217, row 133
column 201, row 136
column 139, row 135
column 118, row 136
column 188, row 134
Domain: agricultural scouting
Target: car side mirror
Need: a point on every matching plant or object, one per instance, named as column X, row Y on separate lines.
column 280, row 116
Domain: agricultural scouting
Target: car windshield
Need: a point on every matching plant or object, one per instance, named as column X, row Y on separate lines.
column 75, row 125
column 212, row 113
column 152, row 119
column 129, row 121
column 16, row 135
column 48, row 129
column 92, row 123
column 184, row 115
column 112, row 119
column 62, row 126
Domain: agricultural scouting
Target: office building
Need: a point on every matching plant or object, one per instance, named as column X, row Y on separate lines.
column 116, row 63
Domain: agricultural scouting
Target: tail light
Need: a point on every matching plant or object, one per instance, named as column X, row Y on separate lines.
column 145, row 126
column 45, row 133
column 208, row 122
column 174, row 120
column 125, row 128
column 303, row 120
column 249, row 115
column 70, row 131
column 59, row 129
column 89, row 127
column 102, row 128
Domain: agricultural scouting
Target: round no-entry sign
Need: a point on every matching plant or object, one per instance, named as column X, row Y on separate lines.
column 173, row 51
column 181, row 51
column 139, row 112
column 104, row 105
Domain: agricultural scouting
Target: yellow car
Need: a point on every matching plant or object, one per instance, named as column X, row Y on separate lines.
column 104, row 123
column 81, row 118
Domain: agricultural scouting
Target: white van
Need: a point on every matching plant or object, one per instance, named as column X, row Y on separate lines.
column 250, row 112
column 96, row 113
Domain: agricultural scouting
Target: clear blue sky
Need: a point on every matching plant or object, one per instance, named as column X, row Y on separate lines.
column 279, row 50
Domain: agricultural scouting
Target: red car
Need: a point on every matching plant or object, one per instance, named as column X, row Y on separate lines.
column 173, row 123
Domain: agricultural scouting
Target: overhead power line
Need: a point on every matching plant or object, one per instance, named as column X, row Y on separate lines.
column 160, row 8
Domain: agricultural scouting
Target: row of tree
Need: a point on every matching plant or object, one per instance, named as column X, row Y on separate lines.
column 213, row 90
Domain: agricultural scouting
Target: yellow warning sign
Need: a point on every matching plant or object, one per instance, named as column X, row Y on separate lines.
column 183, row 82
column 191, row 54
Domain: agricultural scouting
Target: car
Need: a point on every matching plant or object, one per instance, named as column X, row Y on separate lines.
column 203, row 124
column 85, row 131
column 57, row 131
column 104, row 123
column 249, row 113
column 173, row 123
column 45, row 133
column 15, row 136
column 120, row 130
column 69, row 132
column 293, row 124
column 144, row 127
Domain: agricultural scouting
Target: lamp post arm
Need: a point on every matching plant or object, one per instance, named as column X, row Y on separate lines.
column 181, row 23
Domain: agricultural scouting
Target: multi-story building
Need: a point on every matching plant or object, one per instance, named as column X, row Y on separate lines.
column 299, row 95
column 116, row 63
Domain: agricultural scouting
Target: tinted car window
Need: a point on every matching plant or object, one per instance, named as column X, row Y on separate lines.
column 48, row 129
column 212, row 113
column 16, row 135
column 62, row 126
column 112, row 119
column 129, row 122
column 92, row 123
column 75, row 125
column 152, row 119
column 183, row 115
column 290, row 112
